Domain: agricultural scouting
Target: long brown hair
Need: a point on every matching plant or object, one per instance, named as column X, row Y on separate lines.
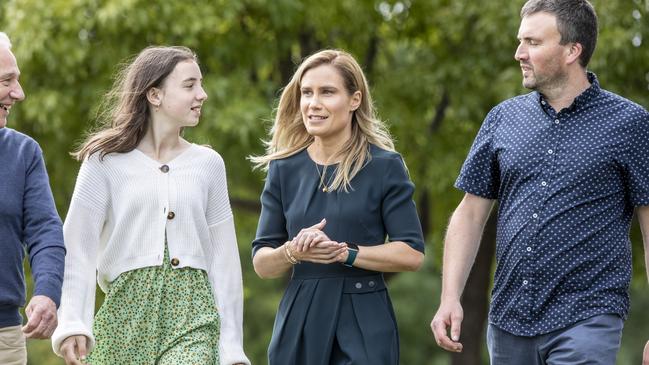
column 125, row 111
column 289, row 136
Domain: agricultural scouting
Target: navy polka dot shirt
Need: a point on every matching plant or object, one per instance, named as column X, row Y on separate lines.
column 567, row 184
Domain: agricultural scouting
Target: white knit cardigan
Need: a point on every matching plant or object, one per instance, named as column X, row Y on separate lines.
column 117, row 220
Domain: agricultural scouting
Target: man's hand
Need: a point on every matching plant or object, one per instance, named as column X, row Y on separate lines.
column 41, row 317
column 74, row 350
column 448, row 314
column 645, row 354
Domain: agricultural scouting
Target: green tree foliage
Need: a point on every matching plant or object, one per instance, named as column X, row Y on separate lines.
column 436, row 68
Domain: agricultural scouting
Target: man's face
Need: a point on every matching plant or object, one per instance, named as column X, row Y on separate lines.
column 541, row 57
column 10, row 90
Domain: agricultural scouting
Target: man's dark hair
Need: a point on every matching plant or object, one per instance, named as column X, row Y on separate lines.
column 576, row 22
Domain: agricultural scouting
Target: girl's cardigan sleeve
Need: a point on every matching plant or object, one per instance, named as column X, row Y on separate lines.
column 224, row 268
column 82, row 231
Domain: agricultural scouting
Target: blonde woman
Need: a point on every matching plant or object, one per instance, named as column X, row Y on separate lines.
column 150, row 221
column 335, row 190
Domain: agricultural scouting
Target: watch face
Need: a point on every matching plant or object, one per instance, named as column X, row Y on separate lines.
column 352, row 246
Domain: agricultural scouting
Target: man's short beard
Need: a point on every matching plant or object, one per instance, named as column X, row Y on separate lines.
column 556, row 81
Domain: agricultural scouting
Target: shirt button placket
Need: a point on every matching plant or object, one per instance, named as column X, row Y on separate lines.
column 544, row 183
column 551, row 160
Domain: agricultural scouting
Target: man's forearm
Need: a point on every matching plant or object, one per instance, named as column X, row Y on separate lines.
column 646, row 256
column 461, row 244
column 460, row 249
column 643, row 219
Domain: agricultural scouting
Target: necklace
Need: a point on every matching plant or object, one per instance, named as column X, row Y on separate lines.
column 325, row 187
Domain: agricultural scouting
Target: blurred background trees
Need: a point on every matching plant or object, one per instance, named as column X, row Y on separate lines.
column 436, row 68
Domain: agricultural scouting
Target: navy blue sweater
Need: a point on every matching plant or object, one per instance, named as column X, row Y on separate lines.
column 28, row 222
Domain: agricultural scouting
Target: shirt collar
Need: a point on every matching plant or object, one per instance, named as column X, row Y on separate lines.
column 583, row 98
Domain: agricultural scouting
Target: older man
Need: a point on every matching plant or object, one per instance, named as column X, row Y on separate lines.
column 28, row 221
column 569, row 165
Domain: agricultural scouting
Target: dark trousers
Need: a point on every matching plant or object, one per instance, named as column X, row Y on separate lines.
column 595, row 341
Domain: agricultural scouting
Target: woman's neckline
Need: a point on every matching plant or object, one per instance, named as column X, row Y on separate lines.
column 308, row 154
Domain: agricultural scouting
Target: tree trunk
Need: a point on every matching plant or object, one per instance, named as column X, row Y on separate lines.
column 475, row 299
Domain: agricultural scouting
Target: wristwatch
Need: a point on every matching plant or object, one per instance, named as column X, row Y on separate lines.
column 352, row 251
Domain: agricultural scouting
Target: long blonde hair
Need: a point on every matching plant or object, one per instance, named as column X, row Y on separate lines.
column 125, row 112
column 289, row 136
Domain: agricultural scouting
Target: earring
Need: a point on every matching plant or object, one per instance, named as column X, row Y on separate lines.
column 157, row 108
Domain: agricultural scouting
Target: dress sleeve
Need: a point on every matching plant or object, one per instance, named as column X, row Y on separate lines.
column 637, row 162
column 398, row 209
column 82, row 231
column 480, row 174
column 271, row 229
column 224, row 269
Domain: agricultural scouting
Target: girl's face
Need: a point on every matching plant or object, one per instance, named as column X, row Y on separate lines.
column 182, row 95
column 325, row 104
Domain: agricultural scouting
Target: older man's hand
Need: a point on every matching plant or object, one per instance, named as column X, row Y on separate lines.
column 41, row 317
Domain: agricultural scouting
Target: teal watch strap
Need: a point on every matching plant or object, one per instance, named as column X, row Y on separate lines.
column 352, row 251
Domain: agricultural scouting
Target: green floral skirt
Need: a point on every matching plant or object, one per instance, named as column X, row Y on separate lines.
column 157, row 316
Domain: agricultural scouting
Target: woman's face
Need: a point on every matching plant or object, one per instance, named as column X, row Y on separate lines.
column 325, row 104
column 182, row 95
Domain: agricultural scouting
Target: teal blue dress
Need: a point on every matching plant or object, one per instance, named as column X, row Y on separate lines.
column 331, row 314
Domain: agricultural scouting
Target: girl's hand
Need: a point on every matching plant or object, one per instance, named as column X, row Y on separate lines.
column 74, row 350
